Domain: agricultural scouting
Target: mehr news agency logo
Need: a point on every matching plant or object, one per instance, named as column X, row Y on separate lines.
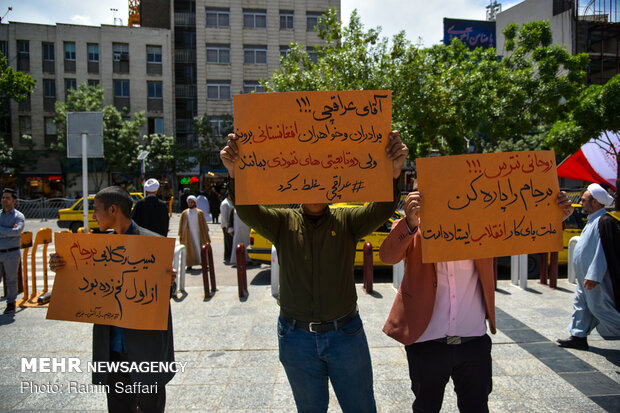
column 74, row 365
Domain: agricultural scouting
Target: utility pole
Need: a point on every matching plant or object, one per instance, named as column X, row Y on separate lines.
column 492, row 9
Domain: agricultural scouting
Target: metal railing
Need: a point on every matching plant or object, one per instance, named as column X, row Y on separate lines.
column 43, row 208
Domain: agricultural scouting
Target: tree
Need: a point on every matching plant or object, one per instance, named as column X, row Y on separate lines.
column 446, row 98
column 13, row 84
column 595, row 117
column 212, row 132
column 17, row 86
column 165, row 155
column 120, row 136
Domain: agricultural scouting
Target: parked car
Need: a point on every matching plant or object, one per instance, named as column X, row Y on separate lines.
column 73, row 218
column 260, row 248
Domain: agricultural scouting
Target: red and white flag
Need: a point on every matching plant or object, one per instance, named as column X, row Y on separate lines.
column 594, row 162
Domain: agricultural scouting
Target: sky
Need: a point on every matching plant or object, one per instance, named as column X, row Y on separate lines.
column 418, row 18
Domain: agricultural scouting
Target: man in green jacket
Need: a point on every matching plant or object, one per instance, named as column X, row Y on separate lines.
column 320, row 333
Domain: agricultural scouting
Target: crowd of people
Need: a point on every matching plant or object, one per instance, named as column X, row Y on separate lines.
column 441, row 313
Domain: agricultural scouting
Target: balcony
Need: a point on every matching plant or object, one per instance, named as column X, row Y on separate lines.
column 185, row 91
column 185, row 19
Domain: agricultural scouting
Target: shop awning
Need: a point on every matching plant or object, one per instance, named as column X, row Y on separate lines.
column 593, row 162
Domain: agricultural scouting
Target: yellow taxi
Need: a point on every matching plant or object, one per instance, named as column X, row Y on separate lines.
column 260, row 248
column 73, row 218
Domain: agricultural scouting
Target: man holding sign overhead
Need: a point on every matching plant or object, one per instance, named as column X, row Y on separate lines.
column 440, row 309
column 320, row 332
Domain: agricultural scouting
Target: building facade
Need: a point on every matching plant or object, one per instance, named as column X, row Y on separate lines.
column 187, row 60
column 223, row 48
column 587, row 26
column 132, row 64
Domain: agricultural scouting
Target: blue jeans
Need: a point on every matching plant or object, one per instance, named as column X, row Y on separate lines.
column 342, row 356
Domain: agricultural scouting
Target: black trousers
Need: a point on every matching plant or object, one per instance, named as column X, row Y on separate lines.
column 227, row 244
column 431, row 365
column 132, row 402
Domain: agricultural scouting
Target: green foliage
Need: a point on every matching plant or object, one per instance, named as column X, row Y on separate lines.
column 13, row 84
column 594, row 117
column 447, row 99
column 17, row 86
column 210, row 140
column 120, row 135
column 12, row 161
column 165, row 155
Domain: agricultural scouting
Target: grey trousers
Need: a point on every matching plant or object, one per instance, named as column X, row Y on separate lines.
column 9, row 262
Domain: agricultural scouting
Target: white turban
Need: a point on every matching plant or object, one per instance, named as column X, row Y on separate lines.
column 600, row 194
column 151, row 185
column 191, row 198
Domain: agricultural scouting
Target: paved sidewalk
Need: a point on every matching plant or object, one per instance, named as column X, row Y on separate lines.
column 230, row 346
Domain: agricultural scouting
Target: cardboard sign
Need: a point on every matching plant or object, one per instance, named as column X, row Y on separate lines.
column 313, row 147
column 489, row 205
column 118, row 280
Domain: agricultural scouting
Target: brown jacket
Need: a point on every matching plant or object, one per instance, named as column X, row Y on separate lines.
column 413, row 306
column 186, row 238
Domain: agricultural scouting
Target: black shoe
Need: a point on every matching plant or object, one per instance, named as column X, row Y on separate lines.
column 580, row 343
column 188, row 268
column 10, row 308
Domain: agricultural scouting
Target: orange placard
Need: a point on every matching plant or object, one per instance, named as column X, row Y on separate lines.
column 489, row 205
column 111, row 279
column 313, row 147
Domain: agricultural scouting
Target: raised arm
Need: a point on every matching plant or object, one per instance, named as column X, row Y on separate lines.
column 395, row 246
column 264, row 220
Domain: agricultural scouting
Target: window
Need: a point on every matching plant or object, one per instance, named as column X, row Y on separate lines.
column 250, row 86
column 49, row 88
column 70, row 84
column 153, row 54
column 25, row 125
column 254, row 19
column 48, row 51
column 50, row 131
column 218, row 89
column 255, row 55
column 4, row 48
column 69, row 51
column 312, row 20
column 93, row 82
column 219, row 126
column 23, row 49
column 218, row 17
column 156, row 125
column 218, row 53
column 121, row 88
column 287, row 18
column 48, row 58
column 23, row 55
column 93, row 52
column 312, row 54
column 154, row 90
column 284, row 51
column 49, row 95
column 120, row 59
column 120, row 51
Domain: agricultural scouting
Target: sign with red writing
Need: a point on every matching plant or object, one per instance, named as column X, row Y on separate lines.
column 313, row 147
column 489, row 205
column 113, row 279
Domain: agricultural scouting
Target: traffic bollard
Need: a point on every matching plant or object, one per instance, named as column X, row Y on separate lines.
column 544, row 259
column 553, row 270
column 242, row 277
column 206, row 259
column 368, row 269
